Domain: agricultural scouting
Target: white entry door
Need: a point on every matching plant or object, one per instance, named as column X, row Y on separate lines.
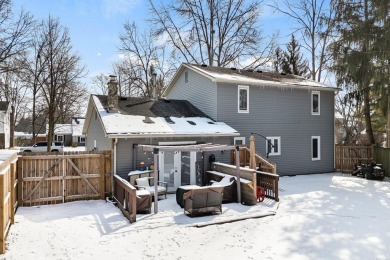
column 177, row 168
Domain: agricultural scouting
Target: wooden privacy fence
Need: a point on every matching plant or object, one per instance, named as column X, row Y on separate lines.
column 8, row 202
column 347, row 156
column 57, row 178
column 125, row 196
column 382, row 156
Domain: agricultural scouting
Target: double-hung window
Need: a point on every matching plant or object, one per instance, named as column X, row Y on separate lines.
column 273, row 145
column 315, row 102
column 243, row 99
column 315, row 148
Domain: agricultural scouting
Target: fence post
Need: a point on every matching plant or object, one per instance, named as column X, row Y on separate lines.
column 2, row 213
column 19, row 172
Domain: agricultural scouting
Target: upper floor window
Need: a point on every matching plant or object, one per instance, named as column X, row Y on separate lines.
column 243, row 99
column 315, row 102
column 239, row 140
column 273, row 145
column 315, row 148
column 186, row 76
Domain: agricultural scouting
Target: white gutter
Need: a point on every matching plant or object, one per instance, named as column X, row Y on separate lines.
column 149, row 135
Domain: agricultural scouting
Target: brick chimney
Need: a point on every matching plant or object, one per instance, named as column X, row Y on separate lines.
column 112, row 94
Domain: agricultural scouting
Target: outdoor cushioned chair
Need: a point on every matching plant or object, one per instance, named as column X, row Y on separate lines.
column 207, row 199
column 229, row 188
column 147, row 183
column 144, row 201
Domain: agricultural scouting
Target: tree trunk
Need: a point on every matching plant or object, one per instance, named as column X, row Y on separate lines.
column 367, row 116
column 12, row 126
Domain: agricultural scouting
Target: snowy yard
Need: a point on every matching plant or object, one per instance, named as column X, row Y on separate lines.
column 328, row 216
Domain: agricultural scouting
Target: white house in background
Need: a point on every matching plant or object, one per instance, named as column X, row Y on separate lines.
column 70, row 134
column 5, row 112
column 77, row 131
column 121, row 124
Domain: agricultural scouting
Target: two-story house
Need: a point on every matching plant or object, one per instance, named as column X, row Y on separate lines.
column 294, row 114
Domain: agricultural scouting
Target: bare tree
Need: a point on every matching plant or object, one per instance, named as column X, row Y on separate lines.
column 219, row 32
column 315, row 22
column 142, row 57
column 61, row 73
column 100, row 83
column 15, row 32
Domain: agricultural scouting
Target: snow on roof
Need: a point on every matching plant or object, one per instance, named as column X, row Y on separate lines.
column 135, row 125
column 77, row 126
column 63, row 129
column 229, row 75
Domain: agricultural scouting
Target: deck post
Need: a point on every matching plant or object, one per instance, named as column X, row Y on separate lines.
column 155, row 152
column 238, row 174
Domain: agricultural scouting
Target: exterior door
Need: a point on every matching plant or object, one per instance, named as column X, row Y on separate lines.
column 177, row 168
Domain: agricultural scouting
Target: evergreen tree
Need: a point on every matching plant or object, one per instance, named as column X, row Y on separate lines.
column 361, row 51
column 293, row 61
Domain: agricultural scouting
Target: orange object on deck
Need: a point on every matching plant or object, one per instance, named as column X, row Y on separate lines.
column 260, row 193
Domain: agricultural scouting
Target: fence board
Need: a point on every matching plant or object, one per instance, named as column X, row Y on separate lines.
column 347, row 156
column 7, row 196
column 56, row 178
column 382, row 156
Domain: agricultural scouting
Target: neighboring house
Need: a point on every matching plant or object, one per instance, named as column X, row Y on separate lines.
column 70, row 134
column 62, row 133
column 5, row 112
column 121, row 124
column 294, row 113
column 77, row 131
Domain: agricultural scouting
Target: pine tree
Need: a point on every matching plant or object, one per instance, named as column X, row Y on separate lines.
column 361, row 50
column 293, row 61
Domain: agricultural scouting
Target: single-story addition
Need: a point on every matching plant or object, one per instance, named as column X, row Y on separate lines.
column 5, row 112
column 122, row 124
column 292, row 116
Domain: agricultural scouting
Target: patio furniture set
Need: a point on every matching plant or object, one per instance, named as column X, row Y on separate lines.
column 195, row 200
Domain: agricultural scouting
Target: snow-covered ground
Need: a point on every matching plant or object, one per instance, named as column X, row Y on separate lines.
column 327, row 216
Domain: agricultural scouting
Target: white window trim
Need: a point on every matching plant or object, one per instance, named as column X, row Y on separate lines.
column 271, row 139
column 318, row 146
column 247, row 99
column 315, row 92
column 241, row 138
column 56, row 139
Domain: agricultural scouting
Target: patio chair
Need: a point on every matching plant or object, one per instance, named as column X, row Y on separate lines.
column 147, row 183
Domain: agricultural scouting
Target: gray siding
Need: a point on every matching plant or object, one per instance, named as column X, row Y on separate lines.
column 199, row 90
column 285, row 113
column 96, row 132
column 125, row 152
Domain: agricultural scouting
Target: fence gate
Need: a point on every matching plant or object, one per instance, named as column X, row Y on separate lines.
column 52, row 179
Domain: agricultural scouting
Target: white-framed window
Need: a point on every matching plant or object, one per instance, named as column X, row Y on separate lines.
column 315, row 102
column 239, row 140
column 316, row 148
column 59, row 138
column 186, row 77
column 81, row 139
column 273, row 145
column 243, row 99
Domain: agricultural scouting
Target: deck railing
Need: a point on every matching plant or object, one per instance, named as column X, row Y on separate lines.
column 270, row 183
column 125, row 196
column 267, row 165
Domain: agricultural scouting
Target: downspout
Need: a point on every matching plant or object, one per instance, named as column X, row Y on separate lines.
column 112, row 176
